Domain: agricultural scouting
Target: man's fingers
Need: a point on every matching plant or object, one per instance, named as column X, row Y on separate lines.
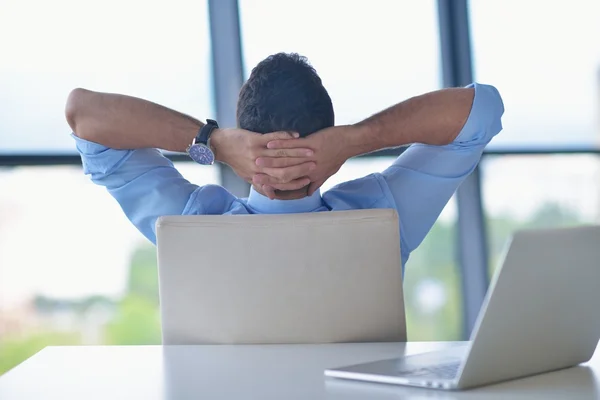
column 268, row 191
column 300, row 152
column 283, row 162
column 264, row 179
column 288, row 174
column 287, row 144
column 280, row 153
column 282, row 135
column 293, row 185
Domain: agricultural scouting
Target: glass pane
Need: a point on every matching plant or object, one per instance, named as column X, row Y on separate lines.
column 543, row 57
column 538, row 192
column 431, row 282
column 148, row 49
column 370, row 55
column 73, row 270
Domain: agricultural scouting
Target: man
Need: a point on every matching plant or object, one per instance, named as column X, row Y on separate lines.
column 287, row 146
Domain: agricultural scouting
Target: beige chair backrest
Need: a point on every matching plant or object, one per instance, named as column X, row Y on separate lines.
column 292, row 278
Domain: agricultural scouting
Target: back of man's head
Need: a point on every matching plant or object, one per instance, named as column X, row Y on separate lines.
column 284, row 93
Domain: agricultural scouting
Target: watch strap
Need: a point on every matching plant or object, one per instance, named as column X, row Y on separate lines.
column 204, row 133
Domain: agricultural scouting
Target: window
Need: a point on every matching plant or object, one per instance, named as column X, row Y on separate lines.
column 148, row 49
column 432, row 285
column 543, row 57
column 56, row 286
column 73, row 270
column 538, row 192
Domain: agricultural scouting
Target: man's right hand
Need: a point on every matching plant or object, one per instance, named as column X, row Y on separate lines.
column 240, row 148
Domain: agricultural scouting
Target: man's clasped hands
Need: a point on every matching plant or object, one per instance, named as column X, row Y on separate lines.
column 282, row 160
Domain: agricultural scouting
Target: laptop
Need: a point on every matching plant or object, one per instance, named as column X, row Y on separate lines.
column 281, row 279
column 540, row 314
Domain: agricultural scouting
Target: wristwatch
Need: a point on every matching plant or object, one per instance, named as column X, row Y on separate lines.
column 200, row 150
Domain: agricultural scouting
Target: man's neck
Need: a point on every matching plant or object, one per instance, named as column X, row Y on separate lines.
column 291, row 194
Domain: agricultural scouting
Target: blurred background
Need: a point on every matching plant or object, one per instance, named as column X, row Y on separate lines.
column 74, row 271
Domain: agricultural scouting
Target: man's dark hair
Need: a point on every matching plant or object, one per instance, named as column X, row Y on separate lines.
column 284, row 93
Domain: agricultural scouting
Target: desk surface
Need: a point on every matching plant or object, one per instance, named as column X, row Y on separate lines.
column 252, row 372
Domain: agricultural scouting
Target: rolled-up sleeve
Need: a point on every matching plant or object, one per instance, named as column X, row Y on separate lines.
column 143, row 181
column 484, row 120
column 424, row 178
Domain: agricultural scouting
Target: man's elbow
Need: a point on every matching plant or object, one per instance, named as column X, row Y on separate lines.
column 489, row 108
column 73, row 109
column 494, row 105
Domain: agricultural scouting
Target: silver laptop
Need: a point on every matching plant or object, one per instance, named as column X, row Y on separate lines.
column 541, row 313
column 295, row 278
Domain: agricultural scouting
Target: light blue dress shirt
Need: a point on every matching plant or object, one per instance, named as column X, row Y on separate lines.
column 418, row 184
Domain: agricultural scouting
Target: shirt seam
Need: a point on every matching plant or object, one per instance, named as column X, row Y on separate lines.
column 191, row 200
column 113, row 168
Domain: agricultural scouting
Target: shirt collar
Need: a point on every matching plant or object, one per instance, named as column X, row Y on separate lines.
column 264, row 205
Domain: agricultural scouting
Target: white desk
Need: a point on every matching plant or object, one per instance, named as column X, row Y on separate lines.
column 252, row 372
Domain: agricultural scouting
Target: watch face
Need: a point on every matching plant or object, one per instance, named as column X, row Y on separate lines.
column 202, row 154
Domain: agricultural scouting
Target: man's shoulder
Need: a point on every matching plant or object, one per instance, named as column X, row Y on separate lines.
column 367, row 192
column 212, row 199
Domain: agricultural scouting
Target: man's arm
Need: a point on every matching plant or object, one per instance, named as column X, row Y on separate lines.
column 423, row 179
column 434, row 118
column 124, row 122
column 127, row 123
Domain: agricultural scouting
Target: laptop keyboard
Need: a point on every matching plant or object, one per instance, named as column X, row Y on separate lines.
column 445, row 371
